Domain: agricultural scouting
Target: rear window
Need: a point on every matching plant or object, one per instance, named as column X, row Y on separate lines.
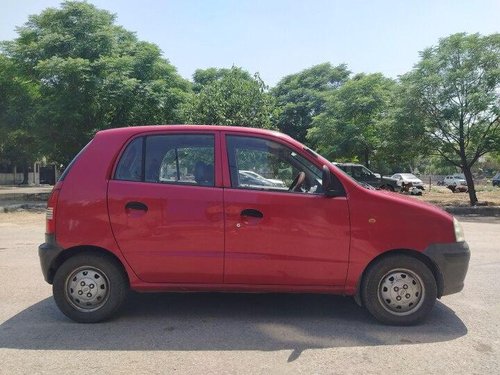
column 172, row 159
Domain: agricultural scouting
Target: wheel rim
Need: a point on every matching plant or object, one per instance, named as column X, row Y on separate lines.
column 401, row 292
column 87, row 289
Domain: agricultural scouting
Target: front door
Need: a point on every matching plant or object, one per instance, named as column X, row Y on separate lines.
column 282, row 230
column 166, row 210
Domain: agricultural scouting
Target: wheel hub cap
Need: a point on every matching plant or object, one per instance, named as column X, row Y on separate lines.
column 87, row 288
column 401, row 291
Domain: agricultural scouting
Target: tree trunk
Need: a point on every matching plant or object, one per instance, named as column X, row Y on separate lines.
column 25, row 175
column 367, row 158
column 470, row 184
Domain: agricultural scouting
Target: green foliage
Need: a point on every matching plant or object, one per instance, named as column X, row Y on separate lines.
column 456, row 89
column 402, row 141
column 91, row 74
column 301, row 96
column 230, row 97
column 352, row 125
column 18, row 144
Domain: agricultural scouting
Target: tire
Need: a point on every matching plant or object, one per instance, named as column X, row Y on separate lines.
column 399, row 290
column 89, row 288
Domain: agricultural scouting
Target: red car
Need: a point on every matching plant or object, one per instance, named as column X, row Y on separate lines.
column 164, row 208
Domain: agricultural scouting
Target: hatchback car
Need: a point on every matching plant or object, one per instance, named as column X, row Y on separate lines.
column 165, row 208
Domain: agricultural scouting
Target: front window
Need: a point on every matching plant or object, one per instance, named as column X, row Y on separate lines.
column 257, row 163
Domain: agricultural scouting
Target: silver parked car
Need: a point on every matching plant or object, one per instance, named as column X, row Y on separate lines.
column 254, row 176
column 408, row 178
column 454, row 180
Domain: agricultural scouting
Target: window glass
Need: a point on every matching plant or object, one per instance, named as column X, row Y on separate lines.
column 257, row 163
column 186, row 159
column 130, row 165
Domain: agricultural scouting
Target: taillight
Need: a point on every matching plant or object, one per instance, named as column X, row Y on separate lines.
column 50, row 213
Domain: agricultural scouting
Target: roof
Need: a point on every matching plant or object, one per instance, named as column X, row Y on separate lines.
column 131, row 130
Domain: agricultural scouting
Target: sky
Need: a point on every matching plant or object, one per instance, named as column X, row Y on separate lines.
column 280, row 37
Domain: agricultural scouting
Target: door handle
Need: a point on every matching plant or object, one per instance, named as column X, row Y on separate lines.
column 252, row 213
column 136, row 206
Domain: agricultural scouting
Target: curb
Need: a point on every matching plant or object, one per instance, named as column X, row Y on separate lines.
column 23, row 207
column 474, row 210
column 31, row 197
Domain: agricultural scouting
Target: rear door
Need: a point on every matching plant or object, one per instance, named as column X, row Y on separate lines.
column 292, row 235
column 165, row 207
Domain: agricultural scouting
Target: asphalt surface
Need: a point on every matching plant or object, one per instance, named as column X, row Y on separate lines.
column 237, row 333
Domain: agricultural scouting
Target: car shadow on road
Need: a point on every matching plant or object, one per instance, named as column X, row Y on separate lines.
column 212, row 321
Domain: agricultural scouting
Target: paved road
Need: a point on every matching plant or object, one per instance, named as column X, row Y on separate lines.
column 231, row 333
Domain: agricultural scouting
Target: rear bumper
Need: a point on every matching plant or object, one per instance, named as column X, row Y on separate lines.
column 452, row 261
column 48, row 253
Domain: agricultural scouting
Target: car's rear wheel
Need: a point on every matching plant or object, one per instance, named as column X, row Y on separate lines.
column 89, row 288
column 399, row 289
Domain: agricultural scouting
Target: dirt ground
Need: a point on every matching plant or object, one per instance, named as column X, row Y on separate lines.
column 441, row 196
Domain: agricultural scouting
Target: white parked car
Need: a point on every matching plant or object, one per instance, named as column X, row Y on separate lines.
column 256, row 176
column 408, row 178
column 454, row 180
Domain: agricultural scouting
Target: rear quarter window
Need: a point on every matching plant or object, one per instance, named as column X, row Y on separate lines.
column 130, row 165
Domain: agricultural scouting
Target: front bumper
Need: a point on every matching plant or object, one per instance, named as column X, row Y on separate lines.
column 452, row 261
column 48, row 253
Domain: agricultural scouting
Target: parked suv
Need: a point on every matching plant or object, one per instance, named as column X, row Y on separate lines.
column 164, row 208
column 363, row 175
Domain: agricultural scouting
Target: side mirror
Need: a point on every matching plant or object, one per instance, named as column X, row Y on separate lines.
column 328, row 185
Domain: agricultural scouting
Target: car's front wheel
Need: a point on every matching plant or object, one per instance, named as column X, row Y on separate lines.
column 89, row 288
column 399, row 289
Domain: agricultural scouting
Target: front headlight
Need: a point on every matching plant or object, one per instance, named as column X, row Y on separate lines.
column 459, row 232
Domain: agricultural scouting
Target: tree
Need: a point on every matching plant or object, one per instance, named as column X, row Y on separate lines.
column 230, row 97
column 91, row 74
column 402, row 135
column 351, row 125
column 456, row 89
column 301, row 96
column 18, row 145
